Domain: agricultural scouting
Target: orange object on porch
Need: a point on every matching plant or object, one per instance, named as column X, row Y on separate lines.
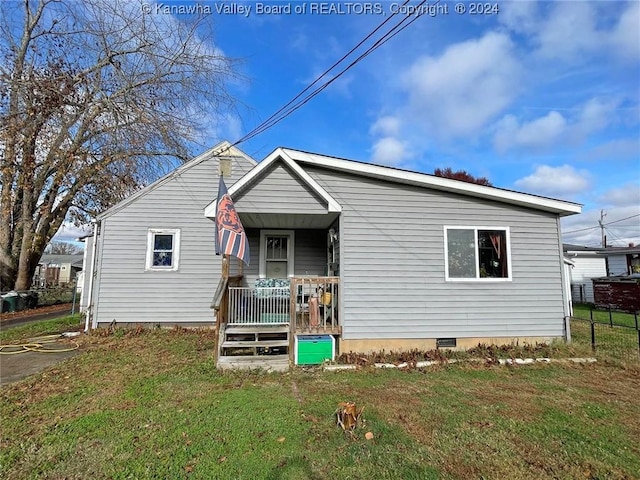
column 314, row 312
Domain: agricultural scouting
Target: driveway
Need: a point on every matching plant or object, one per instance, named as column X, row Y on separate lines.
column 17, row 367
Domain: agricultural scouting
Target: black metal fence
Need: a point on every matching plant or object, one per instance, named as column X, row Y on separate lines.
column 610, row 333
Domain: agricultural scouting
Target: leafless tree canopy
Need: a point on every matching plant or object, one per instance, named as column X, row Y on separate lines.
column 63, row 248
column 95, row 96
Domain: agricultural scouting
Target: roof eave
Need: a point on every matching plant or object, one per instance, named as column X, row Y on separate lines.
column 560, row 207
column 216, row 150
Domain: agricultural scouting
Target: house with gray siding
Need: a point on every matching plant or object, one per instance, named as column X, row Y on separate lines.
column 375, row 257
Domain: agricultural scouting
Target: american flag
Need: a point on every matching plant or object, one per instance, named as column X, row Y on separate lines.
column 231, row 238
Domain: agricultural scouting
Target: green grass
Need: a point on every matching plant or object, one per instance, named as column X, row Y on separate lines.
column 582, row 310
column 615, row 343
column 45, row 327
column 152, row 405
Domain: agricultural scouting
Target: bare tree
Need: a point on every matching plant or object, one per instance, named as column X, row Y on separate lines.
column 62, row 248
column 96, row 96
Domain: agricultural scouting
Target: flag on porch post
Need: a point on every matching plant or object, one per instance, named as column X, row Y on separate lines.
column 231, row 238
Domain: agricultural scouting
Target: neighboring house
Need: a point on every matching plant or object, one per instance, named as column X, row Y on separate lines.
column 587, row 264
column 622, row 260
column 378, row 257
column 55, row 269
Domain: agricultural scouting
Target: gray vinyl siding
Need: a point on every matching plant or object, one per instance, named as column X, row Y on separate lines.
column 279, row 191
column 393, row 271
column 310, row 254
column 126, row 292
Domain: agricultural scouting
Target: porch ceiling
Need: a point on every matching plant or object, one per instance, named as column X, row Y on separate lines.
column 287, row 220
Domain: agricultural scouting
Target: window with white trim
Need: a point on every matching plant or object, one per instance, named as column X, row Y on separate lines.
column 163, row 249
column 477, row 253
column 276, row 253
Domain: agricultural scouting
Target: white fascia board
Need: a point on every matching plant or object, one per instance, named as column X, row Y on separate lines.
column 332, row 205
column 222, row 147
column 439, row 183
column 278, row 154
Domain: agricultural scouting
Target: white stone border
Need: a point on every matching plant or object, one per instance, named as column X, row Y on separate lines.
column 501, row 361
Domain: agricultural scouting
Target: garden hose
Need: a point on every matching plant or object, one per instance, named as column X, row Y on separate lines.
column 36, row 344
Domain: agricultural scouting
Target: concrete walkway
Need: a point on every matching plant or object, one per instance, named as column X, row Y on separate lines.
column 16, row 367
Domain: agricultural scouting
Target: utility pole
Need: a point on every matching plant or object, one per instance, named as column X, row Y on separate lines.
column 603, row 240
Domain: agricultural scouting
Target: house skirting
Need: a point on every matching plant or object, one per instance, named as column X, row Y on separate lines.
column 128, row 325
column 405, row 344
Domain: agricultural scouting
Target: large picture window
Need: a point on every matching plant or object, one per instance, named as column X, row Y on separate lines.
column 276, row 253
column 477, row 253
column 163, row 249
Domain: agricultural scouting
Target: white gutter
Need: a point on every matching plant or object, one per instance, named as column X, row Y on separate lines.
column 96, row 226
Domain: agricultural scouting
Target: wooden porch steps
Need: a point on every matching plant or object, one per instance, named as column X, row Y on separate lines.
column 269, row 363
column 257, row 343
column 254, row 347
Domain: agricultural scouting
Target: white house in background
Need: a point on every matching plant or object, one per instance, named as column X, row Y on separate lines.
column 588, row 263
column 622, row 260
column 57, row 269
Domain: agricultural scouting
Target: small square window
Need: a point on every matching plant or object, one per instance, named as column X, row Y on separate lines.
column 162, row 249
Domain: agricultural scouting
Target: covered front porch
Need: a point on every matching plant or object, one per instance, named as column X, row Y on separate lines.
column 291, row 285
column 289, row 291
column 259, row 326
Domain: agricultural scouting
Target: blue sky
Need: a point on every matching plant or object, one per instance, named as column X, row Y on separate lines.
column 540, row 97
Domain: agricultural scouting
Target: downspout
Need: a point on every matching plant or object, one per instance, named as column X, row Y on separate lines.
column 96, row 227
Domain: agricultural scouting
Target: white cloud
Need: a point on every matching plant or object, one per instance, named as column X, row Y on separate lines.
column 569, row 31
column 387, row 125
column 626, row 196
column 616, row 149
column 457, row 93
column 625, row 37
column 541, row 132
column 584, row 229
column 573, row 31
column 389, row 151
column 553, row 129
column 563, row 181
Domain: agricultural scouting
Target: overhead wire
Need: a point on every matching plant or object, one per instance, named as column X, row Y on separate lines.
column 604, row 225
column 292, row 105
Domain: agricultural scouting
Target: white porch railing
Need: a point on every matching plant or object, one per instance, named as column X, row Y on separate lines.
column 259, row 305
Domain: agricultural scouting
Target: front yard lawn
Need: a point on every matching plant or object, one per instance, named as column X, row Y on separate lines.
column 152, row 405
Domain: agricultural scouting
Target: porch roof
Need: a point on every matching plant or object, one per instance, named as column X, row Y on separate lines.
column 253, row 176
column 289, row 221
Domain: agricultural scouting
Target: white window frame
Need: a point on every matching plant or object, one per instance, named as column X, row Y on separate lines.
column 151, row 233
column 477, row 278
column 263, row 250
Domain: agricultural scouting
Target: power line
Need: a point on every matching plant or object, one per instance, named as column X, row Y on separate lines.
column 581, row 230
column 623, row 219
column 604, row 225
column 290, row 107
column 326, row 72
